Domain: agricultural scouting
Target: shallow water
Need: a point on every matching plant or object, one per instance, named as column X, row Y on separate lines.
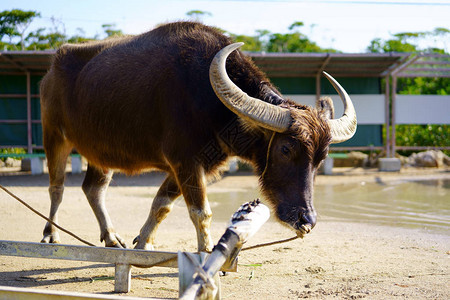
column 412, row 204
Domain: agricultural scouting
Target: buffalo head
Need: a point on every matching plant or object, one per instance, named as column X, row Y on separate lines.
column 298, row 138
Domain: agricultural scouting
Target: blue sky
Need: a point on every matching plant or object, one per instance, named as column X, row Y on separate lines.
column 346, row 25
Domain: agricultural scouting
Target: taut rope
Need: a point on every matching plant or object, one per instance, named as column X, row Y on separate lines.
column 44, row 217
column 90, row 244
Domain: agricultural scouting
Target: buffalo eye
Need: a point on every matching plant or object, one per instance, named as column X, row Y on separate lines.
column 285, row 150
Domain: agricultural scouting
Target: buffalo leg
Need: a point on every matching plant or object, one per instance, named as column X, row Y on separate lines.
column 161, row 206
column 193, row 187
column 57, row 150
column 95, row 185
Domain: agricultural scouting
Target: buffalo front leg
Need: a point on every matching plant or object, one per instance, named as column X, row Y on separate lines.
column 193, row 187
column 95, row 185
column 161, row 206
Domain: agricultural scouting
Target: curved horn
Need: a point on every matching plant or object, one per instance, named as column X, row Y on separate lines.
column 343, row 128
column 250, row 109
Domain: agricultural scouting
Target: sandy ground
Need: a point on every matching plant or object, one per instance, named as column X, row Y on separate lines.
column 337, row 260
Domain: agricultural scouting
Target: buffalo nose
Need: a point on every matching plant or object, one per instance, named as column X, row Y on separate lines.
column 309, row 218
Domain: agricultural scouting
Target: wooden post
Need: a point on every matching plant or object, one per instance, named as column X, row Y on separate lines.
column 319, row 75
column 394, row 96
column 318, row 86
column 29, row 127
column 387, row 118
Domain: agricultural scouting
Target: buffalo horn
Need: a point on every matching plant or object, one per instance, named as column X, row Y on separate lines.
column 343, row 128
column 251, row 109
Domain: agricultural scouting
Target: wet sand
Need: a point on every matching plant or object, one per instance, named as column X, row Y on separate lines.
column 339, row 259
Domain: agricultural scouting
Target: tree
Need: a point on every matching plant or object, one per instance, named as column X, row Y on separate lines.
column 14, row 23
column 44, row 38
column 110, row 30
column 79, row 37
column 196, row 15
column 410, row 41
column 393, row 45
column 293, row 42
column 251, row 43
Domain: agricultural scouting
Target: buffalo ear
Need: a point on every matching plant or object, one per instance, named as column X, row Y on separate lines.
column 325, row 107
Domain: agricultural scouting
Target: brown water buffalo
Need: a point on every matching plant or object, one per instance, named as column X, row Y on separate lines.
column 164, row 100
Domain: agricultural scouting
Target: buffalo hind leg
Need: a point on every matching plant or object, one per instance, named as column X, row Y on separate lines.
column 161, row 207
column 57, row 150
column 95, row 185
column 193, row 187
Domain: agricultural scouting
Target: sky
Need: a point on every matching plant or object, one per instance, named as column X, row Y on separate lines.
column 345, row 25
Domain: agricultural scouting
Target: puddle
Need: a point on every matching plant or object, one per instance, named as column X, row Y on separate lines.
column 412, row 204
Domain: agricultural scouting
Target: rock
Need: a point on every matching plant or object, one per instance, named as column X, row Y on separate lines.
column 359, row 159
column 446, row 160
column 2, row 164
column 354, row 159
column 403, row 159
column 11, row 162
column 429, row 159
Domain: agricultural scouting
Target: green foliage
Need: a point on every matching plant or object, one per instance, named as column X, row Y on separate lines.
column 11, row 151
column 295, row 25
column 291, row 42
column 39, row 40
column 251, row 43
column 110, row 30
column 423, row 86
column 197, row 14
column 295, row 41
column 393, row 45
column 13, row 24
column 423, row 135
column 409, row 42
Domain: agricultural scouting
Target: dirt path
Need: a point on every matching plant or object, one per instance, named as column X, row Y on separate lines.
column 337, row 260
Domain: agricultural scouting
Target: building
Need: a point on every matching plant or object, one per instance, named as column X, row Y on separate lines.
column 297, row 75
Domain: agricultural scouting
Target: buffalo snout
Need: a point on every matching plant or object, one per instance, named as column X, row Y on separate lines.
column 302, row 220
column 306, row 222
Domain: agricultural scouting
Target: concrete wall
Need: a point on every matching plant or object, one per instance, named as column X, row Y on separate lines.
column 369, row 108
column 422, row 109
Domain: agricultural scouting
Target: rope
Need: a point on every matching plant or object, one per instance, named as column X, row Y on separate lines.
column 44, row 217
column 89, row 244
column 268, row 154
column 270, row 243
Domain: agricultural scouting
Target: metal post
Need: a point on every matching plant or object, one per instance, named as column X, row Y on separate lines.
column 29, row 127
column 394, row 96
column 387, row 117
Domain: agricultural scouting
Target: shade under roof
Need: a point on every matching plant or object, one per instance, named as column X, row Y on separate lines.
column 283, row 64
column 338, row 65
column 19, row 62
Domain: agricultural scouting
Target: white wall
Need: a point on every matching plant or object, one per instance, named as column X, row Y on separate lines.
column 369, row 108
column 422, row 109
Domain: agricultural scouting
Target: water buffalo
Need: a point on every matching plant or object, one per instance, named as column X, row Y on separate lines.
column 164, row 100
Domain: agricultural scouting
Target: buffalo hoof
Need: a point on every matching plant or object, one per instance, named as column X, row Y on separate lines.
column 142, row 245
column 52, row 238
column 113, row 240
